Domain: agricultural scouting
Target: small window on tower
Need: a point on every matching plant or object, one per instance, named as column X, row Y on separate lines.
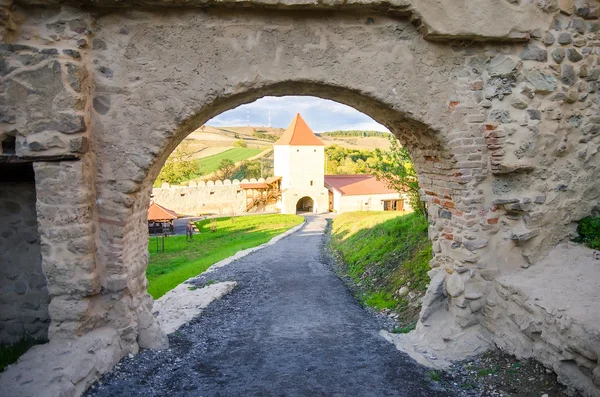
column 311, row 183
column 297, row 150
column 315, row 150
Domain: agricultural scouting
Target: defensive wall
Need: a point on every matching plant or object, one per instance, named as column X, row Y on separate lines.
column 204, row 198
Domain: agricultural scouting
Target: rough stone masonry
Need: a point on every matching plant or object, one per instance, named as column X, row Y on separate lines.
column 497, row 102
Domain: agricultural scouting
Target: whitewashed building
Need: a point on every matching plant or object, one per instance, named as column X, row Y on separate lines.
column 362, row 193
column 300, row 162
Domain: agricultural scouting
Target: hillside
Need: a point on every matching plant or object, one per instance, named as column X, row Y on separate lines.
column 208, row 141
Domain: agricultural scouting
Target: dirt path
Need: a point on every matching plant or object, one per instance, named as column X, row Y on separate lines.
column 290, row 328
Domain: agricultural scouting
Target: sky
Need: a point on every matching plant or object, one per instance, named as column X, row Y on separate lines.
column 320, row 114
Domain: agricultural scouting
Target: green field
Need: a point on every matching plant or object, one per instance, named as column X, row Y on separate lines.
column 182, row 260
column 211, row 163
column 382, row 252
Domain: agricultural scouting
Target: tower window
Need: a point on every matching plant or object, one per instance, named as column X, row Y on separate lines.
column 315, row 150
column 311, row 183
column 297, row 150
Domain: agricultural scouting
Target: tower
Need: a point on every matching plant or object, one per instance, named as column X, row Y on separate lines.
column 300, row 161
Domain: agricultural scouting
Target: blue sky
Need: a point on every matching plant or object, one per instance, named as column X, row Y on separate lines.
column 320, row 114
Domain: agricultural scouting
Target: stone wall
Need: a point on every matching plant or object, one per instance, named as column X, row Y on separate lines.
column 23, row 293
column 206, row 198
column 551, row 312
column 499, row 113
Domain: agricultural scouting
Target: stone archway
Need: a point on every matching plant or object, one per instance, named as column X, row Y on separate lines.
column 504, row 145
column 305, row 204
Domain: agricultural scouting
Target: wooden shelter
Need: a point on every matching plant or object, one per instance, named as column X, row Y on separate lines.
column 267, row 192
column 160, row 219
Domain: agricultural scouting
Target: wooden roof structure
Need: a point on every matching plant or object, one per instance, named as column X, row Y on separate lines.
column 157, row 212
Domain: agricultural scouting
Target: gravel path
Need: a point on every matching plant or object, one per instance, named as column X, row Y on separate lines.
column 290, row 328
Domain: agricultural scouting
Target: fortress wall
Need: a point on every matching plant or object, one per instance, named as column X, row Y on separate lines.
column 218, row 197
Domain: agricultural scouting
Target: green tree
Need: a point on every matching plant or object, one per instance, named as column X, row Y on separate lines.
column 179, row 167
column 396, row 169
column 240, row 143
column 251, row 169
column 226, row 169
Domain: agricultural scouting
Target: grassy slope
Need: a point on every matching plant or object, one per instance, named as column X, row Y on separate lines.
column 382, row 252
column 211, row 163
column 182, row 260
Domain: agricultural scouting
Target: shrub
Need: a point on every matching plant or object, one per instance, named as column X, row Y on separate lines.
column 589, row 232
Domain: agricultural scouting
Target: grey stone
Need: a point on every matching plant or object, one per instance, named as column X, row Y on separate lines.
column 474, row 245
column 518, row 103
column 558, row 54
column 74, row 76
column 72, row 53
column 578, row 25
column 501, row 65
column 20, row 287
column 524, row 235
column 565, row 38
column 101, row 104
column 505, row 201
column 542, row 83
column 98, row 44
column 573, row 55
column 593, row 75
column 445, row 214
column 106, row 72
column 539, row 199
column 568, row 75
column 549, row 39
column 500, row 115
column 473, row 295
column 534, row 114
column 533, row 53
column 455, row 286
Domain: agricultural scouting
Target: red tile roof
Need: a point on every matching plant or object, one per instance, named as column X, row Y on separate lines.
column 354, row 185
column 299, row 133
column 157, row 212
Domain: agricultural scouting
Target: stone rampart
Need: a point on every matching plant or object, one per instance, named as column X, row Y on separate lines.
column 207, row 198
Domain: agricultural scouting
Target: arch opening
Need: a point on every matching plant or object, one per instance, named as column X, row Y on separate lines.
column 305, row 205
column 431, row 156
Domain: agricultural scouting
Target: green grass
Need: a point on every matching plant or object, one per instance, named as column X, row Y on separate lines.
column 434, row 375
column 589, row 232
column 383, row 251
column 211, row 163
column 11, row 353
column 182, row 260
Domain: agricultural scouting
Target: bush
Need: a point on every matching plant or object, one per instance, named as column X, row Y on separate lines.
column 589, row 232
column 240, row 143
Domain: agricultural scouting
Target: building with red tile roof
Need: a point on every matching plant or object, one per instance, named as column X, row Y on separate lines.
column 362, row 192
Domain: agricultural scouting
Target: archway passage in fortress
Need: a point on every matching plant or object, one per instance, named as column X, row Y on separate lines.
column 503, row 133
column 304, row 205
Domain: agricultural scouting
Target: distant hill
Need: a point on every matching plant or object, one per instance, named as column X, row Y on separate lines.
column 208, row 140
column 355, row 133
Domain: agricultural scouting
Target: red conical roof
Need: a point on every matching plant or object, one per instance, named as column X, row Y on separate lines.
column 299, row 134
